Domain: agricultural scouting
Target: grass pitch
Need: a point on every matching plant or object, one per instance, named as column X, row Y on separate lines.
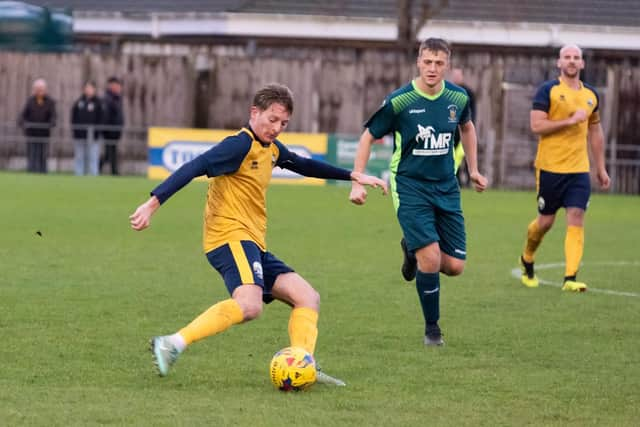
column 81, row 294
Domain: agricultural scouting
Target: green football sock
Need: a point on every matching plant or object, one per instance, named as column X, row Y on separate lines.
column 428, row 287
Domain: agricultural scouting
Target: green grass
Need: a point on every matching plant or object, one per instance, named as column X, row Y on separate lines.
column 79, row 303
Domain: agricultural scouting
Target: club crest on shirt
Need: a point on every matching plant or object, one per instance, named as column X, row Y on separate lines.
column 590, row 102
column 257, row 269
column 453, row 113
column 254, row 164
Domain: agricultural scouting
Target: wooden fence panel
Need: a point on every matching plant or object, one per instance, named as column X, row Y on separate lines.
column 335, row 90
column 232, row 89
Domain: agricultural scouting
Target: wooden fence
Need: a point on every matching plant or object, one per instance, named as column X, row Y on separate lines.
column 335, row 89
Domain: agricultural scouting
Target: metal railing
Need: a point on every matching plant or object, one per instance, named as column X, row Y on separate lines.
column 131, row 146
column 623, row 164
column 623, row 160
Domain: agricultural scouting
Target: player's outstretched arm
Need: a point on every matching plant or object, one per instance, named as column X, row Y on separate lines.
column 141, row 218
column 358, row 193
column 372, row 181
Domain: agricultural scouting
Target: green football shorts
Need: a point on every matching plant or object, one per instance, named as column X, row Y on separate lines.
column 430, row 212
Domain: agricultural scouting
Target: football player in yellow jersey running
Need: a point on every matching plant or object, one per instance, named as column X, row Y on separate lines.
column 565, row 117
column 235, row 226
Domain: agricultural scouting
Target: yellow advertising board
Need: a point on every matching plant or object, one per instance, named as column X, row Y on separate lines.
column 170, row 148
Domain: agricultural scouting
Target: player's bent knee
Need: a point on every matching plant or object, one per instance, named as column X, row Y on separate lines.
column 296, row 291
column 454, row 267
column 313, row 299
column 251, row 311
column 428, row 260
column 429, row 252
column 575, row 217
column 249, row 298
column 545, row 222
column 308, row 298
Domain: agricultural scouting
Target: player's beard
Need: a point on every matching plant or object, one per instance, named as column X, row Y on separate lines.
column 571, row 72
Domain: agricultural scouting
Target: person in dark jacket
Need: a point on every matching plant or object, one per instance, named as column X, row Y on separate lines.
column 113, row 123
column 86, row 114
column 36, row 119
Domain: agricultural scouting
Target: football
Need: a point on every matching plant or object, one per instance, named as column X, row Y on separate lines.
column 292, row 369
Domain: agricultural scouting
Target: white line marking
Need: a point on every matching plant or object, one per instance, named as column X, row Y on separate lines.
column 517, row 272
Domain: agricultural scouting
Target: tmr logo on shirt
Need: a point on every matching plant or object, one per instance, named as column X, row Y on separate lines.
column 433, row 144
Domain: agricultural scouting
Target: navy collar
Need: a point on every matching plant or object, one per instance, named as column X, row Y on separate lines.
column 255, row 137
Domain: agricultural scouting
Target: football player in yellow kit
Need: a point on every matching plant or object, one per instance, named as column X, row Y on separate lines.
column 235, row 226
column 565, row 117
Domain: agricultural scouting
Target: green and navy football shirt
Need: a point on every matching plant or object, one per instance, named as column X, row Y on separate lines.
column 423, row 128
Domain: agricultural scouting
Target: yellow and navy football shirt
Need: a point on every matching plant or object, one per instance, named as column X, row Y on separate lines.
column 565, row 151
column 240, row 167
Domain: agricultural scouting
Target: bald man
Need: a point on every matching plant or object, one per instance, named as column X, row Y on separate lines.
column 565, row 116
column 36, row 119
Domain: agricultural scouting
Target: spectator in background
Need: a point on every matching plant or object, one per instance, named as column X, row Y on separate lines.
column 457, row 78
column 113, row 121
column 36, row 119
column 86, row 114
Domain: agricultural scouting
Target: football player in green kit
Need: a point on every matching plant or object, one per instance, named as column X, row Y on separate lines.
column 423, row 116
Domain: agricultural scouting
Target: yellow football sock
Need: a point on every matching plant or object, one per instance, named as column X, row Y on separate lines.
column 534, row 238
column 216, row 319
column 303, row 328
column 573, row 249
